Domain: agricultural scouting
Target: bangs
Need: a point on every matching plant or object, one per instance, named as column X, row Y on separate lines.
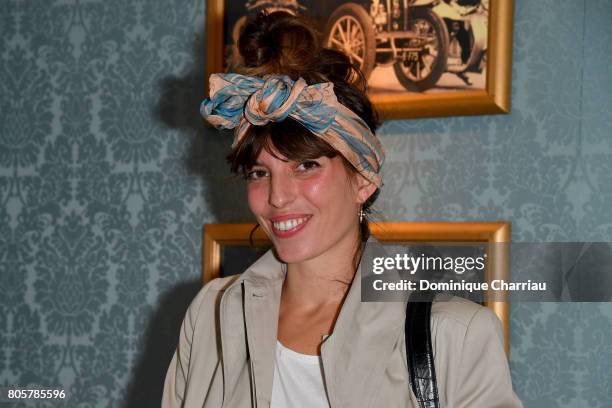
column 289, row 138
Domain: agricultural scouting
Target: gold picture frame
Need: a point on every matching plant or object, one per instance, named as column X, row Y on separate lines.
column 492, row 98
column 218, row 236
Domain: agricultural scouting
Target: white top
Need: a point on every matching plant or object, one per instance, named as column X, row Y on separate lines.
column 298, row 380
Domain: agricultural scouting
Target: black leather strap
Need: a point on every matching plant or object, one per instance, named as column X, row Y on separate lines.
column 419, row 350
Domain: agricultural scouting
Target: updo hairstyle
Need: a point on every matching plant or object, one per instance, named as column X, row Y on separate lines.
column 280, row 43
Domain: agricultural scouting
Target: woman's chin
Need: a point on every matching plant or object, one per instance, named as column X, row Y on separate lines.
column 291, row 255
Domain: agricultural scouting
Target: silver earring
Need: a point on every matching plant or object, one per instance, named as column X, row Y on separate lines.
column 361, row 215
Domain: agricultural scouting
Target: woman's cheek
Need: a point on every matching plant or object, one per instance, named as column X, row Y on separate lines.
column 257, row 197
column 326, row 188
column 313, row 188
column 317, row 186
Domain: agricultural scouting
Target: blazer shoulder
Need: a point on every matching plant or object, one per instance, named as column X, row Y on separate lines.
column 457, row 310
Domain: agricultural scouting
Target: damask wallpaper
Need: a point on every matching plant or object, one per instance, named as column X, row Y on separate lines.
column 107, row 173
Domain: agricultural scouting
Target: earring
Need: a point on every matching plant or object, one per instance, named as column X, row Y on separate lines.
column 361, row 215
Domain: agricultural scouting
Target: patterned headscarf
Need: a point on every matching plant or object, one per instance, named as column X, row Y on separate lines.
column 239, row 102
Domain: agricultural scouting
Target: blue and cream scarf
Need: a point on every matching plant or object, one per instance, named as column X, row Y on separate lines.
column 238, row 102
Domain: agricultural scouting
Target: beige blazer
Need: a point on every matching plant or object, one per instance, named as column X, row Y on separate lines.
column 225, row 356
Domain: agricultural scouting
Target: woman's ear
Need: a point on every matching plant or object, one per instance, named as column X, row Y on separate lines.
column 364, row 188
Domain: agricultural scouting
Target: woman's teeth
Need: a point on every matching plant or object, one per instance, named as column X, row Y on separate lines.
column 289, row 224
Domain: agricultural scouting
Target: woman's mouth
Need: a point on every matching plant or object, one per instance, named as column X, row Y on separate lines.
column 289, row 226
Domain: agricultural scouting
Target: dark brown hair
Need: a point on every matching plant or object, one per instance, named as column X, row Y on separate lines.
column 280, row 43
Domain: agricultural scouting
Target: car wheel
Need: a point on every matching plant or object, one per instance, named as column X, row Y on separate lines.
column 351, row 30
column 420, row 70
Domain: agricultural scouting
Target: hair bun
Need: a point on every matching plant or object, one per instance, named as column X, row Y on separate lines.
column 278, row 43
column 283, row 44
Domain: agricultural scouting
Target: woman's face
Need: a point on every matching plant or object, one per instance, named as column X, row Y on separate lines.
column 308, row 209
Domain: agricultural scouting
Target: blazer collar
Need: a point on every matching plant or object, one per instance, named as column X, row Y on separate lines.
column 266, row 271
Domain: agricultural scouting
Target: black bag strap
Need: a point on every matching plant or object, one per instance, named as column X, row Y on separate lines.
column 419, row 350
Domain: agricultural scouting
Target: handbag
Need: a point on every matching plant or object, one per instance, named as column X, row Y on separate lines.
column 419, row 350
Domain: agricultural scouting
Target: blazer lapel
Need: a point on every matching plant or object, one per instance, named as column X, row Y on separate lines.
column 233, row 337
column 261, row 316
column 356, row 354
column 250, row 309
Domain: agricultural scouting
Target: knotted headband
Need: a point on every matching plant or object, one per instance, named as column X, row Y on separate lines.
column 239, row 102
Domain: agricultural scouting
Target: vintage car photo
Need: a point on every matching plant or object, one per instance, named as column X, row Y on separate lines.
column 405, row 48
column 418, row 41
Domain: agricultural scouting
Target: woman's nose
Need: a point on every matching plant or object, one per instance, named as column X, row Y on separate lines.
column 282, row 190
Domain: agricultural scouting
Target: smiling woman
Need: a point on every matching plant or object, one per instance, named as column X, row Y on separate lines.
column 291, row 331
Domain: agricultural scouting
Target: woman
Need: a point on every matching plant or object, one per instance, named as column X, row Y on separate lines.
column 291, row 331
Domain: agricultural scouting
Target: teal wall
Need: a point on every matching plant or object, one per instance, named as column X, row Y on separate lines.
column 106, row 175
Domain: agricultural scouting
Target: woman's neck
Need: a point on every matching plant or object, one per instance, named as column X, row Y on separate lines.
column 321, row 280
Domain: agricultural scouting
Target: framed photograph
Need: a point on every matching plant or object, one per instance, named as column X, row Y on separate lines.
column 230, row 248
column 422, row 58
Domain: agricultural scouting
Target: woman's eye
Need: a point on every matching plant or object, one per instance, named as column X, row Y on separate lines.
column 308, row 165
column 256, row 174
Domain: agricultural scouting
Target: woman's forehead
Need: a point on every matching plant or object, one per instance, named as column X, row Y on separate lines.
column 270, row 153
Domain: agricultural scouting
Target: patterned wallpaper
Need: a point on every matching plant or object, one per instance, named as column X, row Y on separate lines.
column 106, row 175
